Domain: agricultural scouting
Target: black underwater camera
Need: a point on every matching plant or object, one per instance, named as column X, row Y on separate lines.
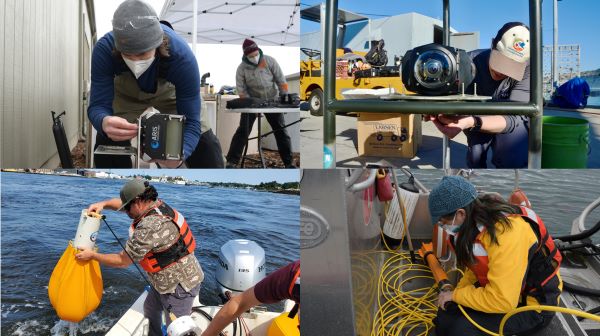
column 160, row 135
column 437, row 70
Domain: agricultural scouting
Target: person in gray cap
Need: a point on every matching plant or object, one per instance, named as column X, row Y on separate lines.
column 503, row 72
column 510, row 261
column 259, row 76
column 161, row 241
column 142, row 63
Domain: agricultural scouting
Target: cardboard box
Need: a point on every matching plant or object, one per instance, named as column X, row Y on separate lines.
column 389, row 135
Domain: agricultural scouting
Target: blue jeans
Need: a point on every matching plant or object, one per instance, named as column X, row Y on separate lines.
column 179, row 303
column 509, row 150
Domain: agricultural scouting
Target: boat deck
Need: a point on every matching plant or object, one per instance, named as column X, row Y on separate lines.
column 382, row 276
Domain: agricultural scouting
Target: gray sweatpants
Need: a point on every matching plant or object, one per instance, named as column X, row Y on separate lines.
column 179, row 303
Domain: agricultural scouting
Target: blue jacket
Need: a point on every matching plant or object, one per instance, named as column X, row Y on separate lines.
column 180, row 68
column 509, row 147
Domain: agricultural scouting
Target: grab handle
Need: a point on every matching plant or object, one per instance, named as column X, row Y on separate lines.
column 354, row 187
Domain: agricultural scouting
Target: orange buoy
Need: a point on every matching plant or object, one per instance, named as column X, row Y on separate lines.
column 75, row 287
column 282, row 325
column 518, row 197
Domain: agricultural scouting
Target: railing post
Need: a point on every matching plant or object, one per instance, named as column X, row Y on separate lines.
column 329, row 89
column 536, row 95
column 446, row 41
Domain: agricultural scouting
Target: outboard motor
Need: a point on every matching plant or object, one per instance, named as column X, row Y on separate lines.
column 241, row 266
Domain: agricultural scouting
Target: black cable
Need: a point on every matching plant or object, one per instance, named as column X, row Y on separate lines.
column 576, row 249
column 586, row 254
column 591, row 311
column 580, row 290
column 577, row 246
column 273, row 131
column 123, row 247
column 581, row 235
column 168, row 311
column 208, row 317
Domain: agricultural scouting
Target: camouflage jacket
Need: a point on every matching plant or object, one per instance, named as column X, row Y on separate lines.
column 155, row 233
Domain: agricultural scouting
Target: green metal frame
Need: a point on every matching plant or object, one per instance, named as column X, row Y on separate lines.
column 533, row 109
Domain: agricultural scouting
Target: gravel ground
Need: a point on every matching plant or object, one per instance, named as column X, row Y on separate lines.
column 272, row 159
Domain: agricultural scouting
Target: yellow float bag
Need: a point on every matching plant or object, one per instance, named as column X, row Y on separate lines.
column 75, row 287
column 282, row 325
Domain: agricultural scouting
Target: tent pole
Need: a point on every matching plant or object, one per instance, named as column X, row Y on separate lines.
column 195, row 27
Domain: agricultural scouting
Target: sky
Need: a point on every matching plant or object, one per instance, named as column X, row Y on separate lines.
column 218, row 59
column 248, row 176
column 577, row 19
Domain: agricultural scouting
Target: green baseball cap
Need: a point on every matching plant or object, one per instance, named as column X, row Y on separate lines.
column 130, row 191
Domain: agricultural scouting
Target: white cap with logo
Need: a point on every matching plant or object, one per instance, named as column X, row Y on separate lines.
column 510, row 50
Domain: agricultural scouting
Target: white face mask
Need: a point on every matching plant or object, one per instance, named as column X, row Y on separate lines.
column 254, row 59
column 452, row 229
column 138, row 67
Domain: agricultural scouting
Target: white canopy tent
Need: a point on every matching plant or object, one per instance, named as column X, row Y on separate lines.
column 216, row 35
column 268, row 22
column 221, row 28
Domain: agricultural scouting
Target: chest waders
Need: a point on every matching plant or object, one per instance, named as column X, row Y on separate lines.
column 160, row 134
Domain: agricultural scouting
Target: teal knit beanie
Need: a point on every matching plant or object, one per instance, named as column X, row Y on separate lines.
column 451, row 194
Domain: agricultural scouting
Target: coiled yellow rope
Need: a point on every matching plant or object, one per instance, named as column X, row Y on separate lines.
column 400, row 312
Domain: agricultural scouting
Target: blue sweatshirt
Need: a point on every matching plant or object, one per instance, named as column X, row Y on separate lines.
column 180, row 68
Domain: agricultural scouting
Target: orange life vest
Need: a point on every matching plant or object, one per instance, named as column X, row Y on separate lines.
column 540, row 280
column 155, row 261
column 294, row 291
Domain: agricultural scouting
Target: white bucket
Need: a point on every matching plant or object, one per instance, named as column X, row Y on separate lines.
column 86, row 231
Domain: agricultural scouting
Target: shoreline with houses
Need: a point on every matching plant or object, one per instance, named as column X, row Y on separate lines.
column 288, row 188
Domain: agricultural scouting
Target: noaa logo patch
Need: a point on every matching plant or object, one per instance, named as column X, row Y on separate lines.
column 314, row 228
column 93, row 236
column 154, row 144
column 519, row 45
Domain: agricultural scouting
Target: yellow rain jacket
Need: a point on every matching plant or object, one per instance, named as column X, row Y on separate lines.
column 507, row 264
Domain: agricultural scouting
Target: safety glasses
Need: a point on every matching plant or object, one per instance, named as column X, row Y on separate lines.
column 127, row 206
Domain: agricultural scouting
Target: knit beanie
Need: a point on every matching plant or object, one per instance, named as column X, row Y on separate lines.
column 249, row 46
column 451, row 194
column 136, row 28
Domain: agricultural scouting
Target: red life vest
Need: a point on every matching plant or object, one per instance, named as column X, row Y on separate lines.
column 541, row 280
column 155, row 261
column 294, row 291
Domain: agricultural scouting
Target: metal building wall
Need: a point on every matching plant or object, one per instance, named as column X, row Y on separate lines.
column 39, row 72
column 400, row 32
